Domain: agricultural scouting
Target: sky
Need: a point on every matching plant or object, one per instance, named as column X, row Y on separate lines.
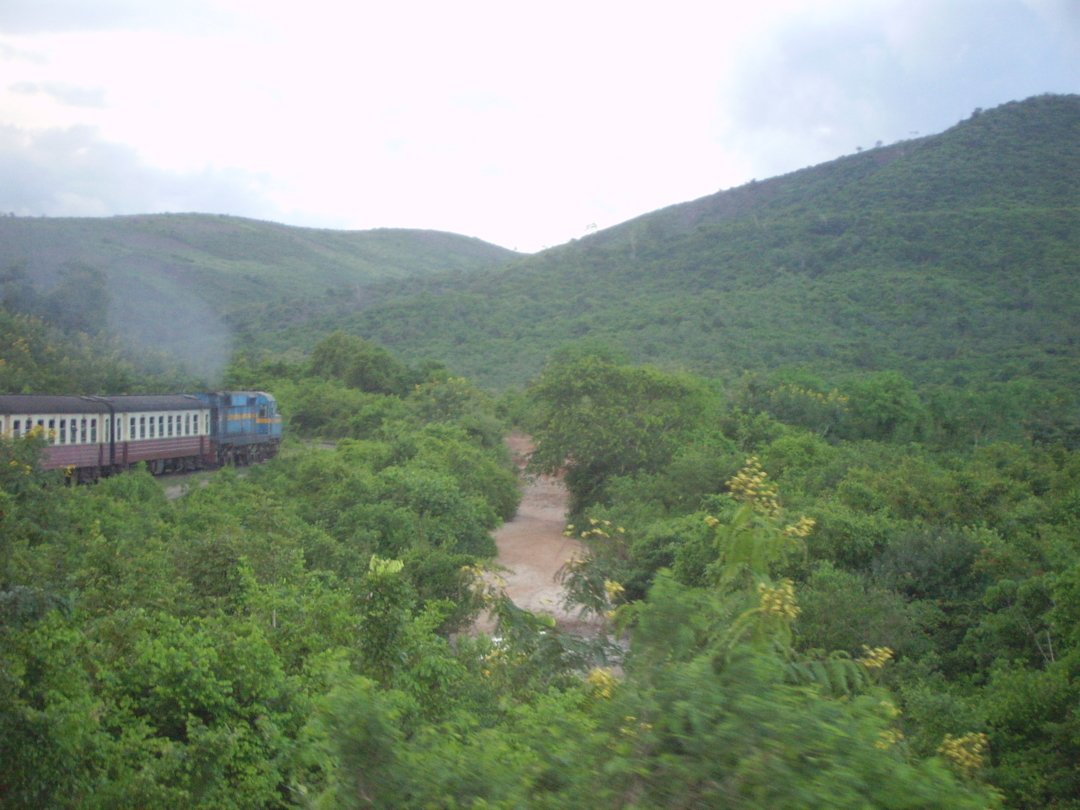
column 522, row 124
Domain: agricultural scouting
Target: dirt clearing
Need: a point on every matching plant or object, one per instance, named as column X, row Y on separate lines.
column 531, row 547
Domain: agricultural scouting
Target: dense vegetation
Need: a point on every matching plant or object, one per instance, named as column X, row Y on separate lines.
column 816, row 610
column 958, row 561
column 286, row 637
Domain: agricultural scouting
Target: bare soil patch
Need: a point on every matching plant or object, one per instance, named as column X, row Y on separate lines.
column 532, row 549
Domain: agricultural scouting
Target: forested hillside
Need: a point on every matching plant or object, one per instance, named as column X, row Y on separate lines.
column 196, row 286
column 952, row 259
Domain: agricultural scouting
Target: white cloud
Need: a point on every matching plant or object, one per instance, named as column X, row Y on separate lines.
column 518, row 124
column 64, row 93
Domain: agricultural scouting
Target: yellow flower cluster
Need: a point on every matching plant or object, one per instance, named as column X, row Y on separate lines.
column 749, row 485
column 779, row 601
column 613, row 590
column 711, row 521
column 600, row 528
column 876, row 657
column 800, row 528
column 966, row 752
column 631, row 727
column 602, row 681
column 834, row 397
column 888, row 738
column 890, row 709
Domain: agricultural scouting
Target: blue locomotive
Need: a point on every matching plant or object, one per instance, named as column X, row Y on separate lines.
column 244, row 425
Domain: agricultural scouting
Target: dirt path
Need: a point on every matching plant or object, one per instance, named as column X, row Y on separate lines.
column 531, row 547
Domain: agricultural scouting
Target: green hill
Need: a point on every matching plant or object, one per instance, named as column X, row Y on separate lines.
column 197, row 284
column 952, row 258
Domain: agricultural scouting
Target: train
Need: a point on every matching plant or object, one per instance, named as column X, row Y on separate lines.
column 90, row 437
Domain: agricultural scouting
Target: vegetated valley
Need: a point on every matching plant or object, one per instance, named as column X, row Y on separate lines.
column 820, row 435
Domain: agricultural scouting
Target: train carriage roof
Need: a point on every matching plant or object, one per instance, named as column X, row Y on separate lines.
column 155, row 402
column 17, row 404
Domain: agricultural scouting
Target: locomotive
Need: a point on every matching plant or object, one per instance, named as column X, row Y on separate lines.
column 90, row 436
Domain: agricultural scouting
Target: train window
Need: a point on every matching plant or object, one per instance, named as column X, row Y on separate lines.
column 168, row 423
column 16, row 428
column 153, row 427
column 131, row 428
column 82, row 431
column 142, row 427
column 93, row 431
column 52, row 431
column 187, row 424
column 161, row 426
column 63, row 431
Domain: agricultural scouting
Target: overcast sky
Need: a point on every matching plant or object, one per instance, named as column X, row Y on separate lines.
column 522, row 124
